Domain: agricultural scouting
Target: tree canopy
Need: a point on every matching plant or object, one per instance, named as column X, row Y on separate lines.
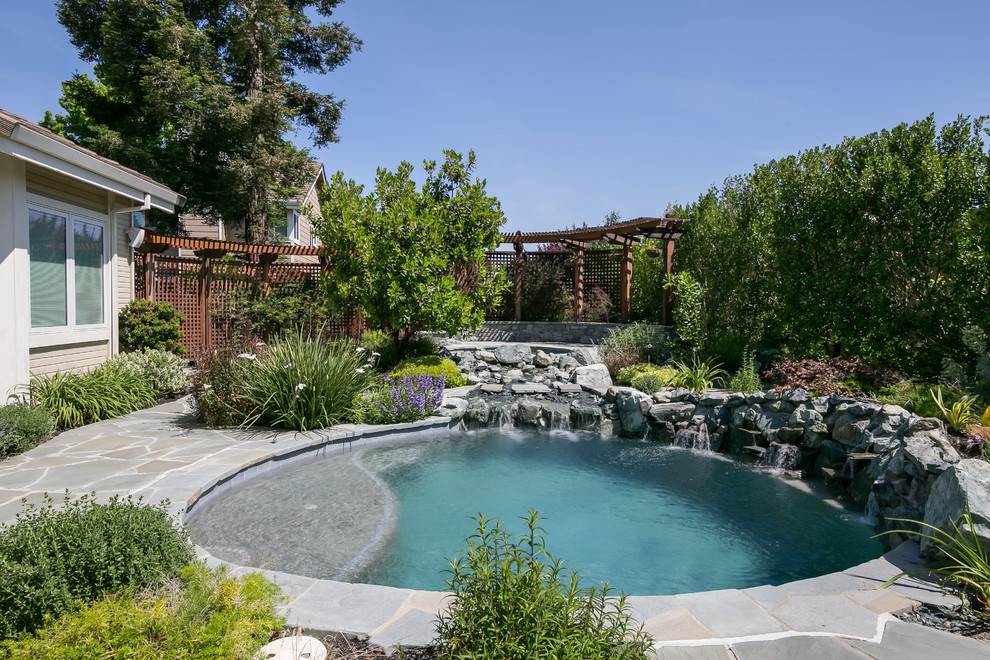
column 877, row 247
column 413, row 259
column 202, row 94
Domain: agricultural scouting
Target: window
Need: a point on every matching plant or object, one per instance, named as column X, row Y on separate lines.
column 67, row 255
column 137, row 219
column 291, row 228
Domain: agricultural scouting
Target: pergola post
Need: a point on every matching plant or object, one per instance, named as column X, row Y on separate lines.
column 265, row 274
column 625, row 290
column 579, row 285
column 518, row 277
column 668, row 293
column 149, row 276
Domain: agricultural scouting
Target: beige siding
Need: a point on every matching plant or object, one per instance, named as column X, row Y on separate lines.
column 50, row 359
column 124, row 266
column 198, row 227
column 64, row 189
column 310, row 210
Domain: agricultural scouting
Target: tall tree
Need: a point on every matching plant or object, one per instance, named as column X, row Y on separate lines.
column 202, row 94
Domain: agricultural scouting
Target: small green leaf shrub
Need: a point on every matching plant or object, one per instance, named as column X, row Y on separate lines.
column 747, row 378
column 431, row 365
column 52, row 557
column 23, row 427
column 207, row 613
column 647, row 286
column 513, row 601
column 960, row 415
column 633, row 344
column 975, row 376
column 146, row 324
column 163, row 370
column 300, row 382
column 649, row 383
column 376, row 341
column 689, row 310
column 285, row 306
column 73, row 399
column 627, row 374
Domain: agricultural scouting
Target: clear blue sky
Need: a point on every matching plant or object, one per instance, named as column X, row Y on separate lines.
column 578, row 108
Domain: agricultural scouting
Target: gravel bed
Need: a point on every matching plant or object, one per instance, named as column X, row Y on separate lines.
column 956, row 620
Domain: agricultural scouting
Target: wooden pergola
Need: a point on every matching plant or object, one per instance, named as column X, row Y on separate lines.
column 624, row 234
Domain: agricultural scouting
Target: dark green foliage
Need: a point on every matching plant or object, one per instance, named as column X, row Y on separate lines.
column 513, row 601
column 689, row 310
column 216, row 383
column 431, row 365
column 23, row 427
column 647, row 287
column 52, row 557
column 73, row 399
column 649, row 382
column 974, row 373
column 413, row 259
column 376, row 341
column 286, row 306
column 146, row 324
column 207, row 613
column 875, row 247
column 203, row 95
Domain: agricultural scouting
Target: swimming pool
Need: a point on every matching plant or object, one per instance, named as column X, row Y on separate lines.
column 648, row 518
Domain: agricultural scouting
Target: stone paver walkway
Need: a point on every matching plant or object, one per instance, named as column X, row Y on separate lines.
column 163, row 453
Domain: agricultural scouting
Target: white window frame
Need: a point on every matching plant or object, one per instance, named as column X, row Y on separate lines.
column 292, row 225
column 71, row 333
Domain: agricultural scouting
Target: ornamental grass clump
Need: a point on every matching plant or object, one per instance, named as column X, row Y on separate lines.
column 513, row 601
column 218, row 380
column 302, row 382
column 699, row 375
column 73, row 399
column 403, row 399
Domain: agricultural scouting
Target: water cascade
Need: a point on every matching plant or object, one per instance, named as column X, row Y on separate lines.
column 694, row 437
column 501, row 417
column 781, row 456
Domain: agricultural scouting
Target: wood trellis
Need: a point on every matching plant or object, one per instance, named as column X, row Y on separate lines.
column 198, row 286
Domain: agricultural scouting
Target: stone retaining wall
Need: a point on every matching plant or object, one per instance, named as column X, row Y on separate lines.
column 882, row 458
column 537, row 332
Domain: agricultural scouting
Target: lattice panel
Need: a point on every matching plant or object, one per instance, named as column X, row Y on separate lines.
column 603, row 271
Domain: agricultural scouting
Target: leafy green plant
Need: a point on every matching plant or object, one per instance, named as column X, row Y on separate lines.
column 964, row 563
column 206, row 613
column 626, row 375
column 146, row 324
column 218, row 383
column 649, row 383
column 647, row 286
column 380, row 345
column 699, row 375
column 301, row 382
column 163, row 370
column 73, row 399
column 514, row 601
column 23, row 427
column 431, row 365
column 286, row 305
column 974, row 376
column 959, row 415
column 747, row 378
column 52, row 557
column 646, row 343
column 689, row 309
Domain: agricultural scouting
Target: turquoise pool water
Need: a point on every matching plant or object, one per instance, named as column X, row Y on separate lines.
column 650, row 519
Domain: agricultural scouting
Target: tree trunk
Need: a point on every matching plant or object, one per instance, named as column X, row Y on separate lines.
column 256, row 221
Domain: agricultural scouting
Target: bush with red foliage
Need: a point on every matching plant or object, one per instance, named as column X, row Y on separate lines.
column 824, row 377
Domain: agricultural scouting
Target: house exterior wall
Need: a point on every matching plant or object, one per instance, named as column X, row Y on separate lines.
column 14, row 309
column 71, row 357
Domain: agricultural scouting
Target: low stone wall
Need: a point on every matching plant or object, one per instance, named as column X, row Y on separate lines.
column 882, row 458
column 538, row 332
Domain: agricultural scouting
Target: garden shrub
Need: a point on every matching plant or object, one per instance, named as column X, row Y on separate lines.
column 973, row 375
column 747, row 377
column 23, row 427
column 617, row 360
column 689, row 309
column 649, row 382
column 163, row 370
column 917, row 397
column 546, row 294
column 301, row 382
column 513, row 601
column 598, row 306
column 647, row 343
column 626, row 375
column 217, row 382
column 698, row 375
column 146, row 324
column 647, row 286
column 376, row 341
column 206, row 613
column 285, row 306
column 52, row 557
column 73, row 399
column 403, row 399
column 431, row 365
column 825, row 377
